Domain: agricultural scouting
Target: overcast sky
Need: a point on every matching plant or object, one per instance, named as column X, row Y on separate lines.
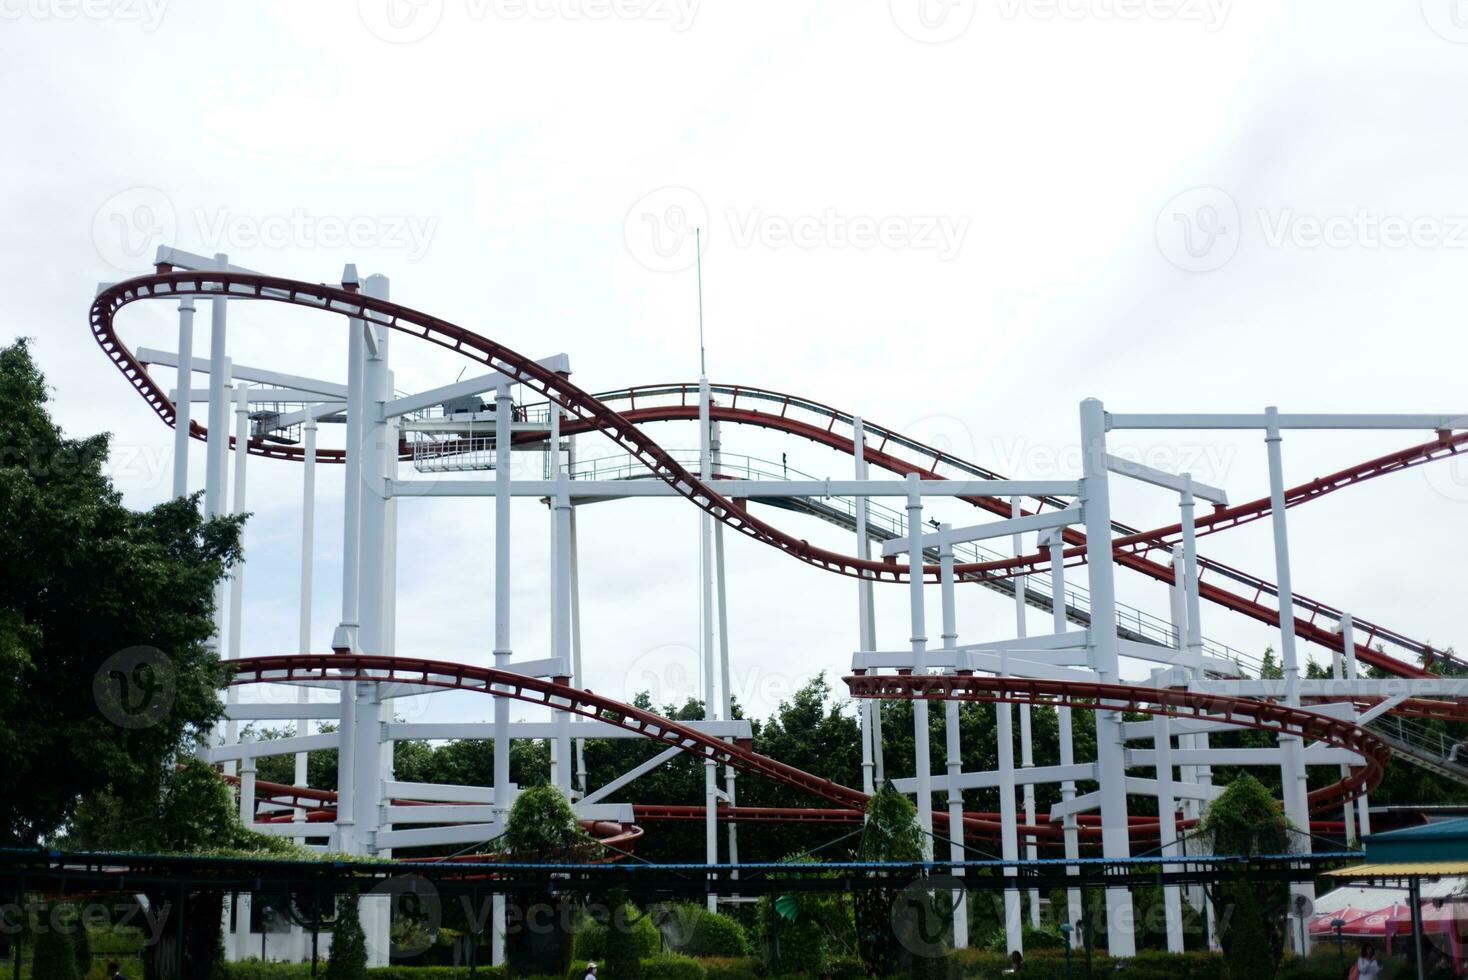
column 956, row 219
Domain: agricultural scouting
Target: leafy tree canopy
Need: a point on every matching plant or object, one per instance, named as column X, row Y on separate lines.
column 104, row 614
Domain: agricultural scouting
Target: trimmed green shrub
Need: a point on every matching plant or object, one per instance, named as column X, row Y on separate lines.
column 591, row 936
column 348, row 942
column 695, row 931
column 54, row 957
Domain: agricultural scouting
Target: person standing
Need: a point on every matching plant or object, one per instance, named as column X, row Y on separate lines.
column 1367, row 967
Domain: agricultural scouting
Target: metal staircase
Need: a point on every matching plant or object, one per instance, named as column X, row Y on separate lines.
column 1423, row 746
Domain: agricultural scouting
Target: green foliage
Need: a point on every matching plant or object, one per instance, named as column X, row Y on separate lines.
column 627, row 941
column 669, row 966
column 85, row 578
column 348, row 943
column 695, row 931
column 54, row 957
column 1049, row 964
column 1245, row 820
column 892, row 924
column 590, row 935
column 802, row 931
column 543, row 827
column 257, row 970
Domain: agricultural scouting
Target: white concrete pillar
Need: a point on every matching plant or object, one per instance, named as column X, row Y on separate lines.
column 1292, row 767
column 1026, row 743
column 1074, row 908
column 953, row 747
column 1110, row 747
column 183, row 403
column 919, row 639
column 870, row 713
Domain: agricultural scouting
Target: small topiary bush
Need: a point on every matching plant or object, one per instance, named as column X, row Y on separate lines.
column 54, row 956
column 591, row 936
column 695, row 931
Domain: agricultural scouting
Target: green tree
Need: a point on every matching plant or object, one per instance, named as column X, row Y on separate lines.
column 188, row 810
column 1246, row 820
column 348, row 959
column 893, row 925
column 54, row 958
column 540, row 828
column 104, row 614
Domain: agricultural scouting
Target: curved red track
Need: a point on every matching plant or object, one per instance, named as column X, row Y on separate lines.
column 1243, row 712
column 588, row 413
column 1130, row 550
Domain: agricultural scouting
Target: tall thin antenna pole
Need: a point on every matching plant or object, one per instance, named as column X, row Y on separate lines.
column 698, row 257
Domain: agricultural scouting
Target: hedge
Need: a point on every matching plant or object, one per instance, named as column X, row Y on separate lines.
column 695, row 931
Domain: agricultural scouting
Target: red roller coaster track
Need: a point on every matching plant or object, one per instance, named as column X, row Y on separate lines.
column 1243, row 712
column 590, row 413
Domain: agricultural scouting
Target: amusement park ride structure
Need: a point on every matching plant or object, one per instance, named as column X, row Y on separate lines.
column 1099, row 656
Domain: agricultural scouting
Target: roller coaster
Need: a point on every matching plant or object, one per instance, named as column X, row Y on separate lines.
column 1195, row 687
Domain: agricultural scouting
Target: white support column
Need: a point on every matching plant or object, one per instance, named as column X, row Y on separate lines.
column 376, row 448
column 1292, row 768
column 247, row 817
column 560, row 598
column 183, row 403
column 1192, row 608
column 346, row 638
column 1338, row 672
column 303, row 630
column 1172, row 903
column 1008, row 814
column 579, row 678
column 561, row 644
column 503, row 411
column 237, row 573
column 1026, row 742
column 873, row 772
column 1074, row 909
column 706, row 635
column 726, row 684
column 1348, row 647
column 920, row 733
column 1110, row 747
column 953, row 746
column 218, row 444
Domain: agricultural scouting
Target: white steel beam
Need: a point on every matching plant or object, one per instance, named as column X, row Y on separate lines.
column 149, row 355
column 558, row 363
column 1164, row 479
column 729, row 488
column 1437, row 423
column 982, row 532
